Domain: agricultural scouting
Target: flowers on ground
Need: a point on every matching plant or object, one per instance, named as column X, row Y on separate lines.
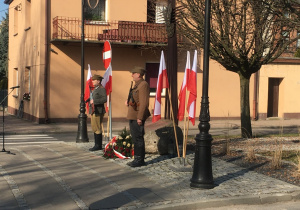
column 120, row 146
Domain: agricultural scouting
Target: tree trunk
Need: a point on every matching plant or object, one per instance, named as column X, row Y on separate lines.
column 246, row 128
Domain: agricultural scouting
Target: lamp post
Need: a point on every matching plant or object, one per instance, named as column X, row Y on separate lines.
column 202, row 171
column 82, row 117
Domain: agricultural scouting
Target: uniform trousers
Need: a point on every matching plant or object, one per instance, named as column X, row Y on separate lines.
column 137, row 133
column 97, row 123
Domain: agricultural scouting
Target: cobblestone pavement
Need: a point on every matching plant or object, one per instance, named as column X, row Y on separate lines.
column 65, row 175
column 232, row 182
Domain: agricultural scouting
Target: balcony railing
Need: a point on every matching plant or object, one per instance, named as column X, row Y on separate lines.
column 65, row 28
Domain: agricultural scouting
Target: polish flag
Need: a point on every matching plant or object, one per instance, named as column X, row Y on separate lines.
column 182, row 93
column 192, row 87
column 107, row 83
column 88, row 87
column 162, row 82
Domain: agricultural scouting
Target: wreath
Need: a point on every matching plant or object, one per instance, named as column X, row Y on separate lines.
column 119, row 147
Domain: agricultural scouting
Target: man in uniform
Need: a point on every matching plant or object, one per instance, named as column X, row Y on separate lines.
column 97, row 110
column 138, row 112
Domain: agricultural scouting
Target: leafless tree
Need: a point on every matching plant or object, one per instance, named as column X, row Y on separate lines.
column 245, row 34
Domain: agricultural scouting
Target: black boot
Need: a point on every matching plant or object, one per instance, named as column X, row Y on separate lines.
column 137, row 162
column 98, row 142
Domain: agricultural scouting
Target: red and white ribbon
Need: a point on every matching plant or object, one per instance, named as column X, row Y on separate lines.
column 117, row 154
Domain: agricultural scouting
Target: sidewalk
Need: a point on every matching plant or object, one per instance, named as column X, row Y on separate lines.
column 65, row 175
column 13, row 125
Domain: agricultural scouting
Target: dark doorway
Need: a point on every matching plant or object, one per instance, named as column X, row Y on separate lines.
column 273, row 97
column 151, row 75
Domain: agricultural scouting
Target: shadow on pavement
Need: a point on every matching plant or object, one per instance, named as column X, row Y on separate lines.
column 121, row 199
column 229, row 176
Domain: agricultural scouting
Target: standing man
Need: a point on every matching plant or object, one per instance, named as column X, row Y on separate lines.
column 97, row 110
column 138, row 112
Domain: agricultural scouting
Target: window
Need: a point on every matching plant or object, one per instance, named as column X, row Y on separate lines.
column 94, row 10
column 150, row 11
column 151, row 78
column 27, row 14
column 156, row 11
column 286, row 37
column 16, row 81
column 286, row 14
column 159, row 13
column 27, row 80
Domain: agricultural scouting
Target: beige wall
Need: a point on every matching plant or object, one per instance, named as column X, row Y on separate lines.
column 224, row 88
column 66, row 8
column 27, row 49
column 65, row 76
column 72, row 8
column 65, row 80
column 289, row 88
column 129, row 10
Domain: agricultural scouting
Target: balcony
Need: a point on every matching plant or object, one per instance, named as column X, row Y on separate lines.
column 65, row 28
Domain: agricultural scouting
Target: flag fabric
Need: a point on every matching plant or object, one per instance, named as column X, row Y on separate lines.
column 192, row 88
column 182, row 93
column 88, row 87
column 107, row 83
column 107, row 80
column 162, row 82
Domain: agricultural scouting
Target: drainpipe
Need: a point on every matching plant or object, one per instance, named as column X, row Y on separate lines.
column 47, row 25
column 255, row 95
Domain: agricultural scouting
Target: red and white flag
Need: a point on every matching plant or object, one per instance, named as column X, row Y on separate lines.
column 107, row 83
column 182, row 93
column 162, row 82
column 192, row 88
column 88, row 87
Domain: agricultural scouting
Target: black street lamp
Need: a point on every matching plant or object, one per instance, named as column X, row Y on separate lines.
column 82, row 117
column 202, row 171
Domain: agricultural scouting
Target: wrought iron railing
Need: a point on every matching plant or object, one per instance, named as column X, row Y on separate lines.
column 65, row 28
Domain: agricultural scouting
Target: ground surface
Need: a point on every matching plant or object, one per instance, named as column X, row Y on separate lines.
column 239, row 150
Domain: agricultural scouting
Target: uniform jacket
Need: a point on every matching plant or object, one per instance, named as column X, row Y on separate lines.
column 140, row 94
column 99, row 97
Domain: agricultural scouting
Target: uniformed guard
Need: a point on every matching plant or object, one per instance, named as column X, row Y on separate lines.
column 138, row 112
column 97, row 110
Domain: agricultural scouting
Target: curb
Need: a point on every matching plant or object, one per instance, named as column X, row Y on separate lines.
column 241, row 200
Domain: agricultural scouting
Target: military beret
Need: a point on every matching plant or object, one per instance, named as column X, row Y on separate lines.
column 97, row 77
column 138, row 69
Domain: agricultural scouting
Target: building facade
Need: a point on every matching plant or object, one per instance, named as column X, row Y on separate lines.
column 45, row 61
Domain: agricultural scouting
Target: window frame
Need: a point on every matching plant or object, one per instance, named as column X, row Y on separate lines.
column 88, row 7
